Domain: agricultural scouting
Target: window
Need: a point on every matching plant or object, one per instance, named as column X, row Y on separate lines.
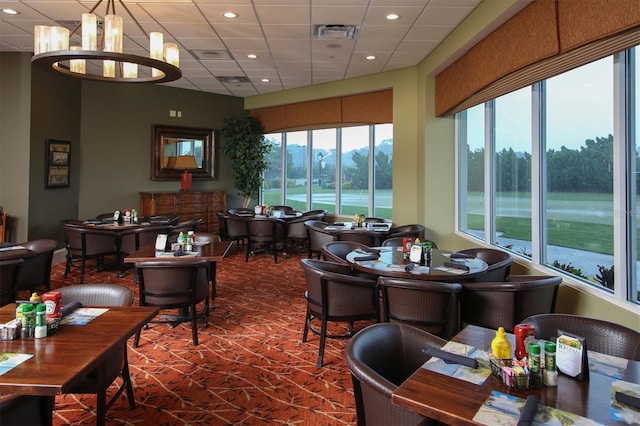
column 332, row 169
column 553, row 197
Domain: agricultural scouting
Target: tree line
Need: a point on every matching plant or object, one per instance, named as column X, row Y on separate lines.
column 587, row 169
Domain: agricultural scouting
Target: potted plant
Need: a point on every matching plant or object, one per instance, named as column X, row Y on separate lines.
column 246, row 147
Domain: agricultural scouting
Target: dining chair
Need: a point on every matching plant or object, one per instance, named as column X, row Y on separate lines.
column 297, row 234
column 186, row 226
column 36, row 270
column 19, row 410
column 241, row 210
column 142, row 236
column 317, row 236
column 222, row 226
column 363, row 237
column 374, row 220
column 169, row 285
column 429, row 305
column 337, row 251
column 207, row 238
column 9, row 275
column 335, row 293
column 85, row 244
column 237, row 229
column 398, row 241
column 499, row 263
column 507, row 303
column 381, row 357
column 411, row 231
column 103, row 295
column 601, row 336
column 283, row 208
column 267, row 233
column 317, row 214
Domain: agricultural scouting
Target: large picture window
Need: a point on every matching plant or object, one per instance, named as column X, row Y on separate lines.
column 550, row 188
column 333, row 169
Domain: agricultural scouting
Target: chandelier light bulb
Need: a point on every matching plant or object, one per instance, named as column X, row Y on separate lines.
column 113, row 33
column 78, row 66
column 89, row 32
column 41, row 39
column 59, row 38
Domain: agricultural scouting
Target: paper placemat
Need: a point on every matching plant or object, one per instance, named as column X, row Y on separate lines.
column 621, row 412
column 472, row 375
column 501, row 409
column 9, row 360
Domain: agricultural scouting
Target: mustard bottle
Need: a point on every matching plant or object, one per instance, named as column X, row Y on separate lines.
column 500, row 346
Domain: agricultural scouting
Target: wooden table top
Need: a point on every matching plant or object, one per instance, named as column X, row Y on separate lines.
column 391, row 263
column 68, row 355
column 456, row 402
column 212, row 252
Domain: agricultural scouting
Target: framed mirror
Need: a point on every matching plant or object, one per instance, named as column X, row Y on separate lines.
column 176, row 149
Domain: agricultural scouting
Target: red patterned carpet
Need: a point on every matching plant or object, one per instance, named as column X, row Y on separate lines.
column 250, row 368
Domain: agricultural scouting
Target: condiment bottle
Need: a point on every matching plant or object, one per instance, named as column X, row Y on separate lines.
column 500, row 346
column 28, row 320
column 523, row 333
column 550, row 374
column 34, row 297
column 534, row 357
column 41, row 322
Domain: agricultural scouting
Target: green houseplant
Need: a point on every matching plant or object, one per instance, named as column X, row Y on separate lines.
column 246, row 147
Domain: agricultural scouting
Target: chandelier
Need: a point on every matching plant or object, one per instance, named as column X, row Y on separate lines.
column 100, row 57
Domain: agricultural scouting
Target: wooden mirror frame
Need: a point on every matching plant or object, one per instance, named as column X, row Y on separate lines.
column 161, row 132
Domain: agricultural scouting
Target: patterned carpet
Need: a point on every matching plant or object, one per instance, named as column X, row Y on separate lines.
column 250, row 368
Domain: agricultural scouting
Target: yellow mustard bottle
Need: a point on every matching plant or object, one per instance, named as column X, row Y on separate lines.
column 500, row 346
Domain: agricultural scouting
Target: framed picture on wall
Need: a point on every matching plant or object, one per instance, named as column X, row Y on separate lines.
column 58, row 162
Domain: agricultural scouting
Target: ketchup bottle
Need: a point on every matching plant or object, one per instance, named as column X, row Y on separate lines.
column 523, row 333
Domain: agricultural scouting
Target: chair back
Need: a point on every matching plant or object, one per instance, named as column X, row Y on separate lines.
column 601, row 336
column 429, row 305
column 374, row 220
column 36, row 270
column 97, row 294
column 222, row 226
column 9, row 274
column 507, row 303
column 296, row 229
column 336, row 251
column 186, row 226
column 362, row 237
column 236, row 227
column 397, row 242
column 168, row 284
column 87, row 242
column 381, row 357
column 499, row 263
column 283, row 208
column 143, row 236
column 337, row 293
column 318, row 214
column 266, row 230
column 241, row 211
column 411, row 231
column 317, row 236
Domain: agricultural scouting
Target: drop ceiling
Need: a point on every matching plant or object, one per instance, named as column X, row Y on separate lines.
column 214, row 50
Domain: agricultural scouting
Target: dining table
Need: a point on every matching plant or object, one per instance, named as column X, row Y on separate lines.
column 61, row 360
column 391, row 261
column 212, row 251
column 455, row 401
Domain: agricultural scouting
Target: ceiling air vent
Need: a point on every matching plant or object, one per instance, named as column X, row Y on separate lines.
column 335, row 32
column 212, row 55
column 233, row 79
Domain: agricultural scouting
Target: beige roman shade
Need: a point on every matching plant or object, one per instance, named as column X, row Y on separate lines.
column 546, row 38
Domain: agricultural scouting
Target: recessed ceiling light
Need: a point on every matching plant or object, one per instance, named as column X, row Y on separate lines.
column 252, row 56
column 10, row 11
column 371, row 57
column 392, row 16
column 265, row 80
column 230, row 15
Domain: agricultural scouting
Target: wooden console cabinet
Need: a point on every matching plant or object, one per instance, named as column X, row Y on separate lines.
column 187, row 205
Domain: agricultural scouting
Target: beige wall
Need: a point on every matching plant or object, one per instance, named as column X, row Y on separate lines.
column 424, row 146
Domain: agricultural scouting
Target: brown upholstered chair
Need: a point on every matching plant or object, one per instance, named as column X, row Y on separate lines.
column 222, row 226
column 236, row 228
column 9, row 274
column 318, row 214
column 117, row 365
column 85, row 244
column 413, row 231
column 336, row 251
column 206, row 238
column 283, row 208
column 241, row 211
column 268, row 233
column 374, row 220
column 381, row 357
column 23, row 410
column 169, row 285
column 335, row 293
column 317, row 236
column 601, row 336
column 507, row 303
column 499, row 263
column 139, row 237
column 36, row 270
column 186, row 226
column 429, row 305
column 297, row 234
column 397, row 242
column 361, row 237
